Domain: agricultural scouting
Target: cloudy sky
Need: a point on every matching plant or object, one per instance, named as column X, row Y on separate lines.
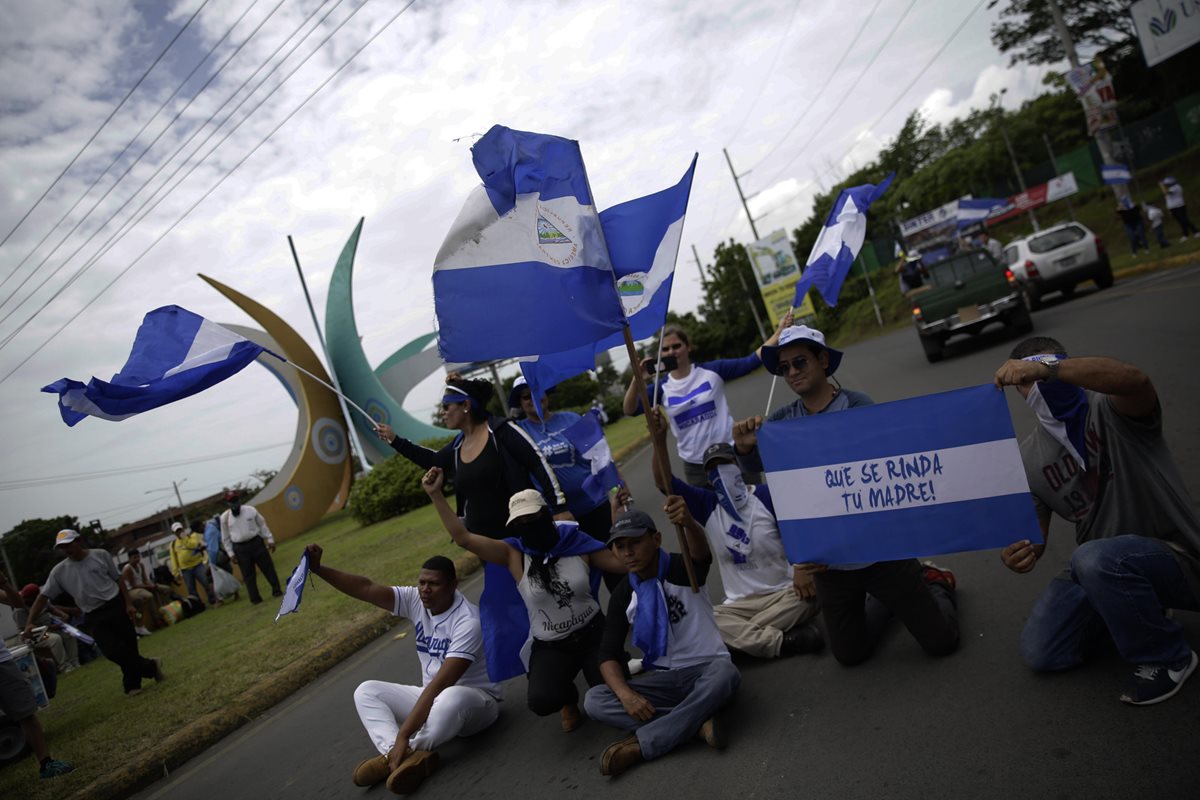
column 641, row 86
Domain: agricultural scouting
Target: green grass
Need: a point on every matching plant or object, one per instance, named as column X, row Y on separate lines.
column 213, row 658
column 625, row 432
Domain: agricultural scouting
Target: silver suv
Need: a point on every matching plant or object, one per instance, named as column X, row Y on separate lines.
column 1057, row 260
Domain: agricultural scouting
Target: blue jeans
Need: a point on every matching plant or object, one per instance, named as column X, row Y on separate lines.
column 197, row 575
column 1116, row 592
column 683, row 699
column 1137, row 237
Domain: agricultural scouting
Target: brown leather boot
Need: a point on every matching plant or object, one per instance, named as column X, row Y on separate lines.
column 416, row 767
column 712, row 734
column 621, row 756
column 371, row 771
column 571, row 718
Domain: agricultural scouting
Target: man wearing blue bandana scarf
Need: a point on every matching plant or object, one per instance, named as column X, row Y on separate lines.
column 689, row 675
column 1098, row 459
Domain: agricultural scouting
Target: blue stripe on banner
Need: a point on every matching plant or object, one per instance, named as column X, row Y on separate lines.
column 680, row 400
column 912, row 532
column 694, row 415
column 920, row 424
column 547, row 310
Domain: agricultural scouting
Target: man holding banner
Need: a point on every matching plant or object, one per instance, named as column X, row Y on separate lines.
column 922, row 595
column 1098, row 459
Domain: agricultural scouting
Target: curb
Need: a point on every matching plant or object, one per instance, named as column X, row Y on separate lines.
column 204, row 732
column 1171, row 262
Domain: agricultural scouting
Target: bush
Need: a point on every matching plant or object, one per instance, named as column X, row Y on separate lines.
column 390, row 488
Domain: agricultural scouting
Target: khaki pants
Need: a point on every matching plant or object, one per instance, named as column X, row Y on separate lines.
column 755, row 624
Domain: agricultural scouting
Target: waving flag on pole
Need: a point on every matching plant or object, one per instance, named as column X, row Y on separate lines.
column 643, row 237
column 912, row 478
column 294, row 591
column 587, row 436
column 176, row 354
column 1116, row 173
column 840, row 240
column 527, row 249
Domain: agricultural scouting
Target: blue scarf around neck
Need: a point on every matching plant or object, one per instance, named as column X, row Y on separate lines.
column 650, row 622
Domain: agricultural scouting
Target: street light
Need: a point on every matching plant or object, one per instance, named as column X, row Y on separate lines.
column 175, row 485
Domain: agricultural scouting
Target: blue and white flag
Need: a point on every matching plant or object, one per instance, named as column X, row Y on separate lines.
column 587, row 437
column 73, row 631
column 295, row 588
column 524, row 269
column 920, row 477
column 838, row 243
column 1116, row 173
column 974, row 210
column 643, row 237
column 176, row 354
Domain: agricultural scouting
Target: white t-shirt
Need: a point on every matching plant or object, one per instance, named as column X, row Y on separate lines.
column 1175, row 196
column 455, row 633
column 693, row 637
column 566, row 606
column 91, row 581
column 697, row 411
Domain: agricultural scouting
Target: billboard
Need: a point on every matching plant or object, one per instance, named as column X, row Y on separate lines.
column 1165, row 27
column 776, row 270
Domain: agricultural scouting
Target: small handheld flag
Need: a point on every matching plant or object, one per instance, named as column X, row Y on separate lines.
column 176, row 354
column 840, row 240
column 587, row 436
column 295, row 588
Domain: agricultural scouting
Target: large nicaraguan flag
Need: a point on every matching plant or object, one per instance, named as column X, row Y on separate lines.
column 919, row 477
column 839, row 241
column 176, row 354
column 643, row 237
column 524, row 269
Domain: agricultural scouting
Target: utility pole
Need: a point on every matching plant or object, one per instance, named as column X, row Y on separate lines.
column 699, row 266
column 1104, row 141
column 1012, row 154
column 754, row 230
column 1054, row 163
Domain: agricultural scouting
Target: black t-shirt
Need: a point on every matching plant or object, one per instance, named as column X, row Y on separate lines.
column 481, row 483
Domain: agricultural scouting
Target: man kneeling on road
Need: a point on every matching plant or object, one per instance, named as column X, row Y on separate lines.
column 922, row 595
column 689, row 674
column 456, row 698
column 1099, row 459
column 768, row 604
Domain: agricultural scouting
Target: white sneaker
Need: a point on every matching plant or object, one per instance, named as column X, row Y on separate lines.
column 1183, row 238
column 141, row 630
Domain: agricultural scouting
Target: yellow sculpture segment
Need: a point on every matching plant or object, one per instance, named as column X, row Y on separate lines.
column 319, row 477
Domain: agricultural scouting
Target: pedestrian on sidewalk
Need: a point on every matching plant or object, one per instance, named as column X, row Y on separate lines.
column 1173, row 193
column 91, row 578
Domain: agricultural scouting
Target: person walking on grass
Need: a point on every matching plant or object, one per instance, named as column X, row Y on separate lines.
column 17, row 701
column 91, row 578
column 247, row 540
column 1173, row 193
column 407, row 724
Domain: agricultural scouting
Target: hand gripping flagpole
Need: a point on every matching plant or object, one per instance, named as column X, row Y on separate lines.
column 660, row 456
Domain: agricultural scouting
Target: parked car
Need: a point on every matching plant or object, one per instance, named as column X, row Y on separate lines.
column 966, row 293
column 1057, row 260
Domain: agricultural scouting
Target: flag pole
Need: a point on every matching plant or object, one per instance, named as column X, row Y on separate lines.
column 660, row 455
column 340, row 396
column 657, row 363
column 351, row 430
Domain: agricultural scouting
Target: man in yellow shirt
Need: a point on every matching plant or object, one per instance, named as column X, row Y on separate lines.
column 189, row 561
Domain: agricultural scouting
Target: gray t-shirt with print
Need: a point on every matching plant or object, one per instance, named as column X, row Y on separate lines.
column 1132, row 484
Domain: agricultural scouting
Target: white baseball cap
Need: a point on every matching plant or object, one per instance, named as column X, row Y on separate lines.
column 176, row 526
column 524, row 503
column 65, row 536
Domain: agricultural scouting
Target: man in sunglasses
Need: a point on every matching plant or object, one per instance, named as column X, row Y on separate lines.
column 858, row 599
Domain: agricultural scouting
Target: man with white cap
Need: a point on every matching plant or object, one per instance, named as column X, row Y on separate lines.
column 921, row 595
column 1098, row 459
column 688, row 673
column 92, row 580
column 189, row 562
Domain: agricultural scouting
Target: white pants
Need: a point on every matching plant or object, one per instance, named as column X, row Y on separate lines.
column 457, row 711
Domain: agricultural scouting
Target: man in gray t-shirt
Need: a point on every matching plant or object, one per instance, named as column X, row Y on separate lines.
column 91, row 578
column 1098, row 459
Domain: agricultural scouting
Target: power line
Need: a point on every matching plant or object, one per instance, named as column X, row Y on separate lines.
column 203, row 197
column 763, row 84
column 129, row 224
column 118, row 157
column 916, row 78
column 46, row 480
column 128, row 200
column 107, row 119
column 804, row 147
column 804, row 114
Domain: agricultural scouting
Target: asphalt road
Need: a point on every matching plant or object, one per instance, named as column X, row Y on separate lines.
column 977, row 724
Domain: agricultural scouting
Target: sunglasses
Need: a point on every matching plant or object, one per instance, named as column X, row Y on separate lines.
column 799, row 363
